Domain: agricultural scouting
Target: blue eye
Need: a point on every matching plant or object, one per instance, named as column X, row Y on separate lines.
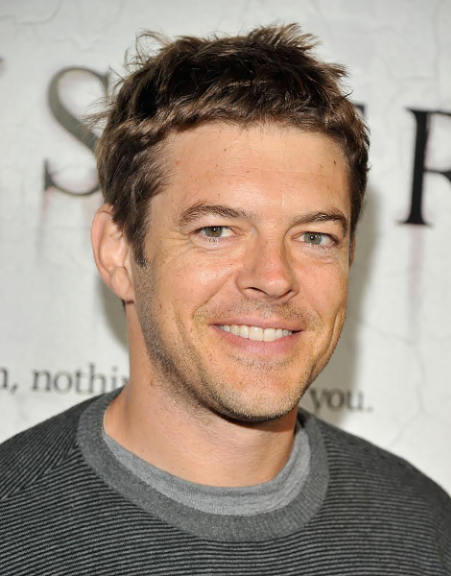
column 317, row 239
column 215, row 232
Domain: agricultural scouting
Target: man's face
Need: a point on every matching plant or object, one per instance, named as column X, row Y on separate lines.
column 243, row 297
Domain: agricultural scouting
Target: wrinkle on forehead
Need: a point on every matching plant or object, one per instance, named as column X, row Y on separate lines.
column 271, row 166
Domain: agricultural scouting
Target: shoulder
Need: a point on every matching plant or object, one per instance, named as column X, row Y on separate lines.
column 383, row 495
column 361, row 462
column 31, row 454
column 374, row 488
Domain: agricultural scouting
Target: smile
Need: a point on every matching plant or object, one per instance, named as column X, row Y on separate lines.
column 256, row 332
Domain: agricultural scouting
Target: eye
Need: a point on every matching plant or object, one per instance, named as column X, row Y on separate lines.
column 317, row 239
column 215, row 232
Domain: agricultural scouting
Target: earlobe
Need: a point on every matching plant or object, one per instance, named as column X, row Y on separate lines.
column 112, row 253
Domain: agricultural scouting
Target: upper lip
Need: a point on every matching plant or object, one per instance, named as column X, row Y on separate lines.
column 262, row 323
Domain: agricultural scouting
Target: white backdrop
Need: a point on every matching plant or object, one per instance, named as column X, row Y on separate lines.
column 62, row 334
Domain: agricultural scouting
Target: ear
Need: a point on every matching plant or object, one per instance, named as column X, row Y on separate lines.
column 112, row 254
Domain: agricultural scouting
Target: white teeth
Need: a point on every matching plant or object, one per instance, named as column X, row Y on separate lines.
column 269, row 334
column 256, row 333
column 244, row 331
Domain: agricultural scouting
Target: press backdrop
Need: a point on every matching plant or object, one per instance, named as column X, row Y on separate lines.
column 62, row 334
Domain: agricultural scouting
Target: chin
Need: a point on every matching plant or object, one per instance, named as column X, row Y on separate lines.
column 259, row 411
column 256, row 398
column 255, row 419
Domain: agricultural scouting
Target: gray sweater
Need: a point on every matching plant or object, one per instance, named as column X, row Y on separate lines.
column 69, row 506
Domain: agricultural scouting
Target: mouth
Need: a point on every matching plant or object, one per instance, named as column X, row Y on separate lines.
column 256, row 333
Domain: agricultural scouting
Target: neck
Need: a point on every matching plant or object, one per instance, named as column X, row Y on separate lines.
column 210, row 450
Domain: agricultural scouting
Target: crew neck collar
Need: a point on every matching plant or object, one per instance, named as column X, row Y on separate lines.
column 233, row 501
column 220, row 527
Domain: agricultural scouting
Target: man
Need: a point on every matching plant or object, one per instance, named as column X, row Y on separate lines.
column 233, row 172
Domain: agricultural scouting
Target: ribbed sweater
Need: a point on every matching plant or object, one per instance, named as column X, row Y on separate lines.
column 68, row 506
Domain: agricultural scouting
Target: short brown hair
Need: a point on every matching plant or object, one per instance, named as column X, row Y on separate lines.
column 268, row 75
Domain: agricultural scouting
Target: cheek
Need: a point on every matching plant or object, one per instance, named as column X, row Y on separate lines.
column 191, row 284
column 327, row 291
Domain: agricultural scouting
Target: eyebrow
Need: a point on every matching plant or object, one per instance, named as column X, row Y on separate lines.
column 200, row 209
column 332, row 216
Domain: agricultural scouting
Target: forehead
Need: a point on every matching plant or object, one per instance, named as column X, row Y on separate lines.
column 267, row 166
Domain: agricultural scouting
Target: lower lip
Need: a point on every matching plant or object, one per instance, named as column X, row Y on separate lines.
column 280, row 347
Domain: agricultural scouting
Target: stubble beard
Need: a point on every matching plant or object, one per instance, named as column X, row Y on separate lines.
column 193, row 386
column 201, row 393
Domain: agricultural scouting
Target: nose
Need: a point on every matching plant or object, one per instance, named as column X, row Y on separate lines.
column 267, row 271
